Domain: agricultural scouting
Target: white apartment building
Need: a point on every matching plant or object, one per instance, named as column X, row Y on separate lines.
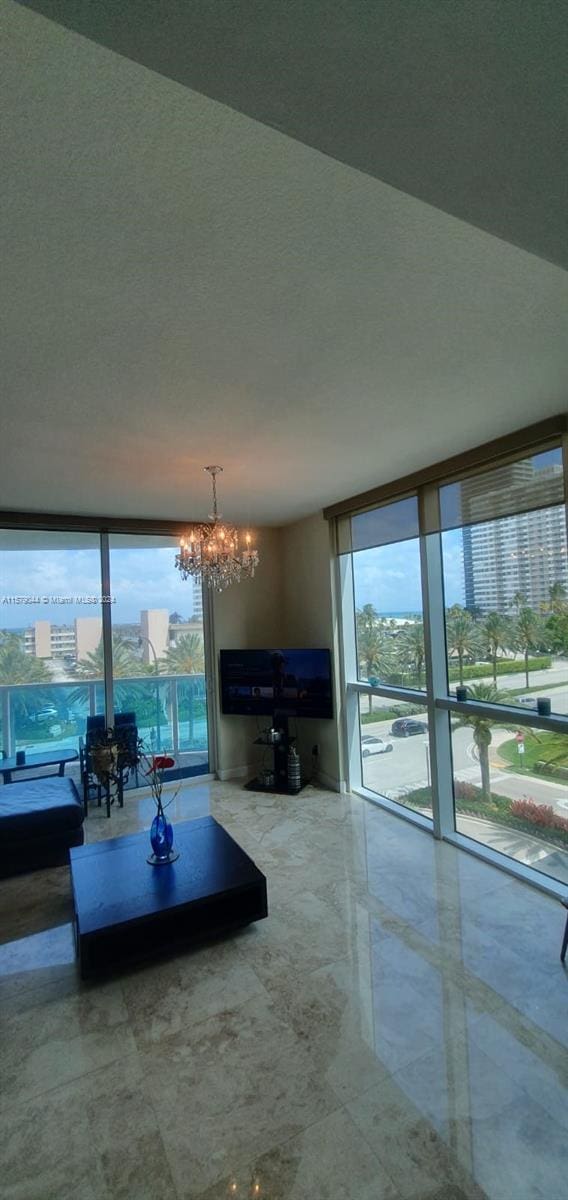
column 46, row 640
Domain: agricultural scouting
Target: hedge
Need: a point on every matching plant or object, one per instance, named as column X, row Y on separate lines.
column 504, row 667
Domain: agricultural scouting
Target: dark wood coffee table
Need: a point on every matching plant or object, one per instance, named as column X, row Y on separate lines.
column 126, row 910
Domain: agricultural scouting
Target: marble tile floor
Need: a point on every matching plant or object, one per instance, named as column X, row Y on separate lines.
column 396, row 1029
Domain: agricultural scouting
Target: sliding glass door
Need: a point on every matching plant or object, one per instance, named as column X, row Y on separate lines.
column 158, row 650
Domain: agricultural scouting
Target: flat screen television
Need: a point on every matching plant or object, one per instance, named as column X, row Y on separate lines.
column 296, row 683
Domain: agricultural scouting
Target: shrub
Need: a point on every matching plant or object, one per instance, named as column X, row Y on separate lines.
column 524, row 814
column 539, row 814
column 506, row 666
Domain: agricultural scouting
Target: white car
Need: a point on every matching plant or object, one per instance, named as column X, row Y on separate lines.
column 374, row 745
column 527, row 701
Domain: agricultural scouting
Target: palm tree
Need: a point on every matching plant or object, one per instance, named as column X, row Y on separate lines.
column 558, row 599
column 496, row 635
column 374, row 645
column 462, row 638
column 124, row 662
column 412, row 649
column 519, row 601
column 482, row 729
column 557, row 632
column 186, row 656
column 367, row 619
column 18, row 667
column 527, row 633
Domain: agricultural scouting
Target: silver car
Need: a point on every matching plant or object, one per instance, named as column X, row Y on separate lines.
column 374, row 745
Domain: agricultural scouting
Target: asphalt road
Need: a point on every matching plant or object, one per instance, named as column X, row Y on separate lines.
column 555, row 678
column 407, row 767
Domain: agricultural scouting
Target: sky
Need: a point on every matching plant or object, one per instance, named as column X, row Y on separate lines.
column 387, row 577
column 141, row 578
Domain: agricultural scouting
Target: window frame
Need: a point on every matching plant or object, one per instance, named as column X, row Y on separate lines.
column 102, row 528
column 440, row 705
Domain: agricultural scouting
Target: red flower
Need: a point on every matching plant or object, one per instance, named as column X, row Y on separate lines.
column 161, row 762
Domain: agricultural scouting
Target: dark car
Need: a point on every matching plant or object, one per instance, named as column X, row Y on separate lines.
column 407, row 726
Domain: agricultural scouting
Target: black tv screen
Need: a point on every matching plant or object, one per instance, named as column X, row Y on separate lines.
column 264, row 682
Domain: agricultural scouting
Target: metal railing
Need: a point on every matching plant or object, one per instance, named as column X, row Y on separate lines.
column 171, row 712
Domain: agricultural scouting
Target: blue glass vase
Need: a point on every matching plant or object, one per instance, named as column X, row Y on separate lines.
column 162, row 840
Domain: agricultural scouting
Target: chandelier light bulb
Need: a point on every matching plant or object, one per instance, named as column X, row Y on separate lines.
column 211, row 552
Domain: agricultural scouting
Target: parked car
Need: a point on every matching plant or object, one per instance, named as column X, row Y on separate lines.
column 527, row 701
column 374, row 745
column 45, row 714
column 407, row 727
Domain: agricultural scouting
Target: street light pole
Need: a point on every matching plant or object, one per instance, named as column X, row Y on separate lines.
column 427, row 749
column 142, row 638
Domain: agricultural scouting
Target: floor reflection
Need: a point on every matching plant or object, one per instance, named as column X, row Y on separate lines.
column 396, row 1028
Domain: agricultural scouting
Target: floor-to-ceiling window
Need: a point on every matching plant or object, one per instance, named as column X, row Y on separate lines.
column 50, row 616
column 158, row 649
column 463, row 584
column 94, row 623
column 389, row 652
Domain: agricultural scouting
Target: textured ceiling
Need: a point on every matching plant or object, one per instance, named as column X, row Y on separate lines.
column 463, row 103
column 182, row 284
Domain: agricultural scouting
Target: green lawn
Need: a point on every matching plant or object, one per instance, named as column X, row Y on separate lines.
column 539, row 748
column 391, row 714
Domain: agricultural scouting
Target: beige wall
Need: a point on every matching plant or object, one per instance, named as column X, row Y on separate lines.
column 288, row 603
column 247, row 614
column 154, row 625
column 310, row 620
column 42, row 631
column 88, row 633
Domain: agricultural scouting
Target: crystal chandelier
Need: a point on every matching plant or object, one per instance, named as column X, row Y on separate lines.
column 212, row 552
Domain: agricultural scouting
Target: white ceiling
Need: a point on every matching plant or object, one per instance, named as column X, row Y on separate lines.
column 182, row 285
column 461, row 104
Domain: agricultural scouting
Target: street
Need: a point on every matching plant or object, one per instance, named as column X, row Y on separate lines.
column 407, row 767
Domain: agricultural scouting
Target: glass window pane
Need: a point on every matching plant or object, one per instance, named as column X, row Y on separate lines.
column 506, row 594
column 158, row 650
column 528, row 484
column 511, row 791
column 395, row 757
column 388, row 605
column 381, row 526
column 50, row 615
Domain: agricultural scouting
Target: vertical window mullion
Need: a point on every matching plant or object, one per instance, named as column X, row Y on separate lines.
column 436, row 665
column 565, row 471
column 107, row 630
column 210, row 663
column 349, row 656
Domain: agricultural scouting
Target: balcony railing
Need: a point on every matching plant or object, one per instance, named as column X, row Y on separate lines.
column 171, row 712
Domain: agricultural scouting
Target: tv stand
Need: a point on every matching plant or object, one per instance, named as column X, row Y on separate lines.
column 280, row 762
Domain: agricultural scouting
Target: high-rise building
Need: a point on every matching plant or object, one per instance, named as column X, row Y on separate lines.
column 197, row 614
column 520, row 554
